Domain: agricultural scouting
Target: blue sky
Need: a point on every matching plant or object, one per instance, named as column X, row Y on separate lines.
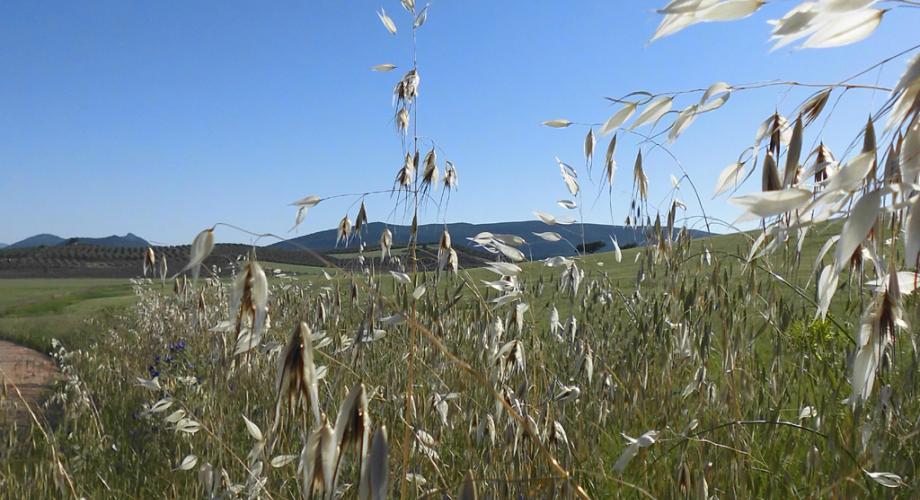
column 162, row 118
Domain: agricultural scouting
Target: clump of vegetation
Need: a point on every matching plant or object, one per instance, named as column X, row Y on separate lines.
column 814, row 336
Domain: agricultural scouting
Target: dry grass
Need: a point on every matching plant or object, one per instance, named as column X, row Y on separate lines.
column 679, row 369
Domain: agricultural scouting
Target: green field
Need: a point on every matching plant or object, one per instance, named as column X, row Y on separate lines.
column 33, row 311
column 717, row 355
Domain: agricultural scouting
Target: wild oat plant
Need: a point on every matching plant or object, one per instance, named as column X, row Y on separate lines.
column 777, row 365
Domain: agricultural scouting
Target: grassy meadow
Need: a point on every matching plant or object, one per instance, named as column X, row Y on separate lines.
column 33, row 311
column 723, row 363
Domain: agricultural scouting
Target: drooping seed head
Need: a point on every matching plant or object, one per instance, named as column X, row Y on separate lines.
column 451, row 179
column 386, row 243
column 344, row 231
column 296, row 381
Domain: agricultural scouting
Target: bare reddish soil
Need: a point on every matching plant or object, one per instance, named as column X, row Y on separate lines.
column 28, row 370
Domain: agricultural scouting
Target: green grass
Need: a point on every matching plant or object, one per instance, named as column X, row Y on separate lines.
column 293, row 268
column 752, row 337
column 370, row 253
column 779, row 361
column 33, row 311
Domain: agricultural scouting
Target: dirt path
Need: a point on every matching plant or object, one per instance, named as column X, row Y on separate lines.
column 31, row 371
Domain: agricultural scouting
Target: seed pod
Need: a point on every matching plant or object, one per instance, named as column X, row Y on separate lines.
column 164, row 268
column 451, row 180
column 770, row 180
column 361, row 219
column 445, row 252
column 430, row 175
column 793, row 152
column 386, row 243
column 610, row 164
column 201, row 248
column 590, row 141
column 374, row 482
column 402, row 120
column 150, row 260
column 639, row 178
column 344, row 231
column 318, row 459
column 352, row 427
column 296, row 380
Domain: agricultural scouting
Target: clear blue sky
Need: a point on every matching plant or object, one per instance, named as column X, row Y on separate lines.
column 161, row 118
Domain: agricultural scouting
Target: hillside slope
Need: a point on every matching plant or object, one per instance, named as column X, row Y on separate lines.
column 129, row 240
column 44, row 239
column 536, row 248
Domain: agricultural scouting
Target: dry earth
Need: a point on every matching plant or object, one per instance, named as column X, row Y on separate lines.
column 28, row 370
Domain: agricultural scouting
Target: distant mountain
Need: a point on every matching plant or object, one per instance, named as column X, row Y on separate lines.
column 536, row 248
column 49, row 240
column 3, row 245
column 129, row 240
column 39, row 240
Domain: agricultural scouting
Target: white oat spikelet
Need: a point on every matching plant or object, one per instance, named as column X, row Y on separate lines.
column 510, row 359
column 343, row 232
column 590, row 142
column 407, row 89
column 610, row 163
column 569, row 177
column 376, row 475
column 770, row 179
column 406, row 174
column 386, row 244
column 571, row 277
column 303, row 205
column 164, row 268
column 361, row 219
column 317, row 462
column 352, row 428
column 447, row 256
column 201, row 248
column 876, row 333
column 402, row 120
column 296, row 380
column 431, row 174
column 386, row 21
column 640, row 180
column 150, row 260
column 249, row 298
column 451, row 179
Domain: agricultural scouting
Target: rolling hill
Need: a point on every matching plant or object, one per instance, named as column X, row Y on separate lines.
column 93, row 261
column 536, row 248
column 50, row 240
column 48, row 256
column 39, row 240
